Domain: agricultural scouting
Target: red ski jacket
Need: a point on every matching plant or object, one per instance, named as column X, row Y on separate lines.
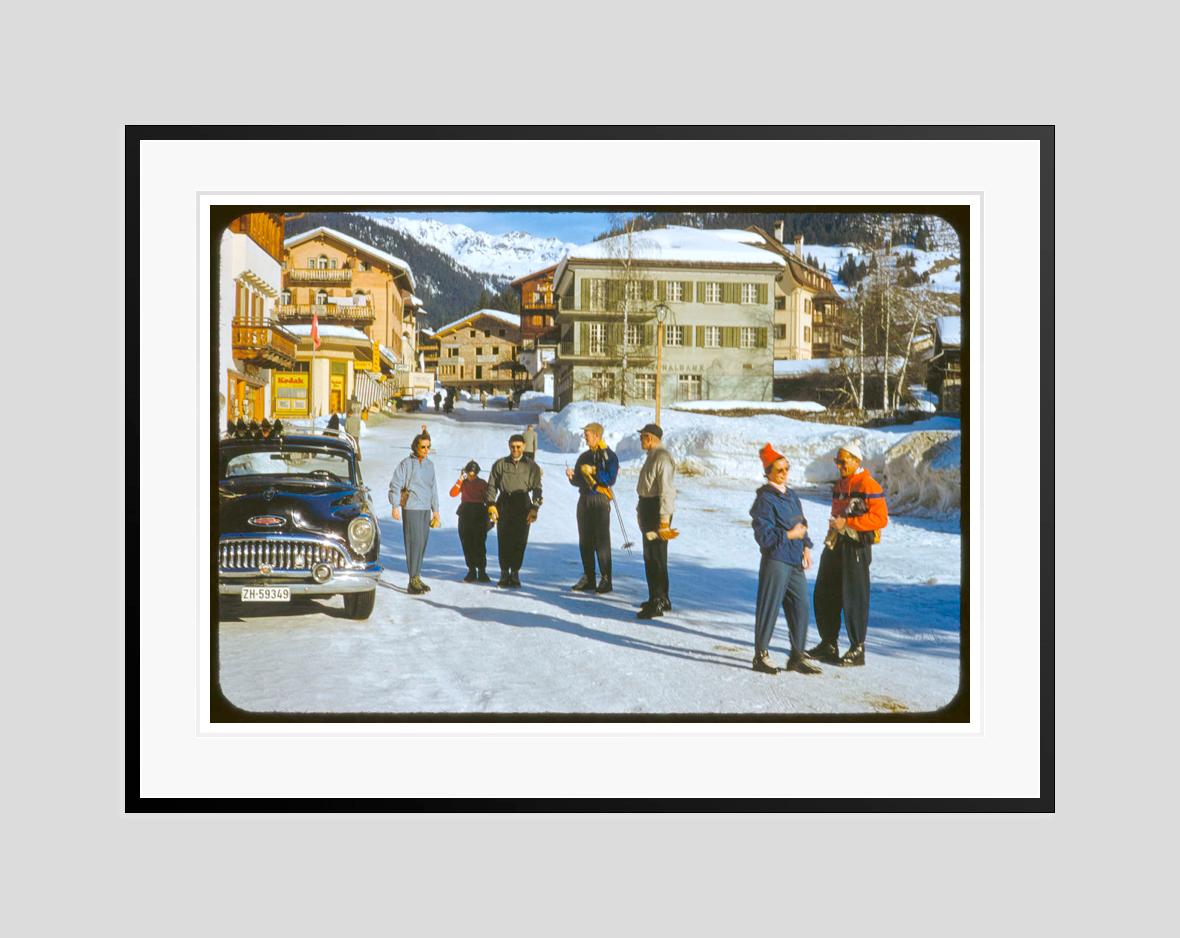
column 860, row 485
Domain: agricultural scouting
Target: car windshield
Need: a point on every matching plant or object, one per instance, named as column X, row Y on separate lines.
column 295, row 463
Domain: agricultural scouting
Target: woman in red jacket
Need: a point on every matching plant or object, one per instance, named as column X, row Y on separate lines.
column 473, row 522
column 842, row 584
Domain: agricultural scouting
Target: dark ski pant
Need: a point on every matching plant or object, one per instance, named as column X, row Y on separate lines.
column 655, row 551
column 780, row 586
column 514, row 509
column 594, row 532
column 415, row 533
column 843, row 584
column 473, row 534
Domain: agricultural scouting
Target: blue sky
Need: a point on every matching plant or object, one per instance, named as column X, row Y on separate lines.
column 578, row 227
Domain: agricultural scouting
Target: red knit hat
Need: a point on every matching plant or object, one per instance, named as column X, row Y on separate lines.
column 769, row 456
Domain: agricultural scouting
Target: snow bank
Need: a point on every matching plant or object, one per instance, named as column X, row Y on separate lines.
column 922, row 474
column 727, row 447
column 536, row 401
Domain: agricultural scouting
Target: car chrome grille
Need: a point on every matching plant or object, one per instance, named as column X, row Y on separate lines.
column 240, row 555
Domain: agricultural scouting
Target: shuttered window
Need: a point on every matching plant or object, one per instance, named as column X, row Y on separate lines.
column 674, row 336
column 712, row 338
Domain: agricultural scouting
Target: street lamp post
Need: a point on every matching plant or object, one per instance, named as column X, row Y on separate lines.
column 661, row 312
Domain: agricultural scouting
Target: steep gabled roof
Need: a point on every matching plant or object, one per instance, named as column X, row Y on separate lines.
column 536, row 273
column 507, row 318
column 797, row 265
column 373, row 252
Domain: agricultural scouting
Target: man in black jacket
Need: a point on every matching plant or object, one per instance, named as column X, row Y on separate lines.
column 513, row 499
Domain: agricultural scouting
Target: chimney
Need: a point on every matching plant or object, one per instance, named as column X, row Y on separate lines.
column 778, row 231
column 799, row 246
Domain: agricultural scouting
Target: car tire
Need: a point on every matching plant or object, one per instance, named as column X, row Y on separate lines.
column 360, row 605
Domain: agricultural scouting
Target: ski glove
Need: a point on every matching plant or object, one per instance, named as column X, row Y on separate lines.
column 532, row 516
column 493, row 514
column 588, row 471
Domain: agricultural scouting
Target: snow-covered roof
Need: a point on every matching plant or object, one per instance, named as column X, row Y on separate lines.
column 388, row 355
column 359, row 245
column 329, row 332
column 680, row 244
column 950, row 330
column 415, row 300
column 509, row 318
column 784, row 368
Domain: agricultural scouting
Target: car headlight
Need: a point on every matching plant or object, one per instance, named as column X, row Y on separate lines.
column 361, row 532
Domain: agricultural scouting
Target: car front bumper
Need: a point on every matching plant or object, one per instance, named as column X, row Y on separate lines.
column 300, row 582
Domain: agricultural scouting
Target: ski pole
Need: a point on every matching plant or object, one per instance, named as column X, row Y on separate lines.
column 627, row 545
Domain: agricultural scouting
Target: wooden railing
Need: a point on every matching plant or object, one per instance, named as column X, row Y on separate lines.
column 334, row 275
column 263, row 343
column 329, row 312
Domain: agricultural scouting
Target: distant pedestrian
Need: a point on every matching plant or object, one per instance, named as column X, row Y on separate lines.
column 781, row 532
column 483, row 399
column 448, row 399
column 413, row 492
column 437, row 401
column 593, row 475
column 473, row 522
column 657, row 500
column 859, row 513
column 530, row 443
column 513, row 499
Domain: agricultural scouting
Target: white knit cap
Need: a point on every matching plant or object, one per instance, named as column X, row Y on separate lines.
column 853, row 449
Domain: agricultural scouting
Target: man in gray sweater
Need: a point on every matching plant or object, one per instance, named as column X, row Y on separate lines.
column 657, row 500
column 513, row 499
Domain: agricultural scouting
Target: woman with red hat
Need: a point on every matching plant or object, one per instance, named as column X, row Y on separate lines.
column 781, row 531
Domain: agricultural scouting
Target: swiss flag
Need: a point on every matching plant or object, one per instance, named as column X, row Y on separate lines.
column 315, row 331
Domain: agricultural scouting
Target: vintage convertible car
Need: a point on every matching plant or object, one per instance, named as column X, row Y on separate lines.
column 295, row 518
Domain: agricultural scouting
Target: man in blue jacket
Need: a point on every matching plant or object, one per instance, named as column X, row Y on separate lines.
column 593, row 475
column 781, row 531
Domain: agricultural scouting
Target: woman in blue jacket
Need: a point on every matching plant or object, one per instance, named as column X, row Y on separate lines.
column 781, row 531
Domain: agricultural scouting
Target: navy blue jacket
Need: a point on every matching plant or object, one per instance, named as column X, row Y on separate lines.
column 605, row 463
column 774, row 514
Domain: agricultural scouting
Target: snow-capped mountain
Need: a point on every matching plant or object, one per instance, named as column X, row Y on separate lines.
column 506, row 255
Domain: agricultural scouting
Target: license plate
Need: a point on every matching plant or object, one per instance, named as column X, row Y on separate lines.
column 266, row 594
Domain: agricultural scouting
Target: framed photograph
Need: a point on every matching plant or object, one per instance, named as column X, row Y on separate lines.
column 663, row 452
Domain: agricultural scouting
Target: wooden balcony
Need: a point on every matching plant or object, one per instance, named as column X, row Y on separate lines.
column 336, row 313
column 263, row 343
column 336, row 276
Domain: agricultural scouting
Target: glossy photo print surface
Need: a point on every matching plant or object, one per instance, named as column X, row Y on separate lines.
column 629, row 462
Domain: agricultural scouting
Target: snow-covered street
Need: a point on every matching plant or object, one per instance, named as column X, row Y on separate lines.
column 475, row 648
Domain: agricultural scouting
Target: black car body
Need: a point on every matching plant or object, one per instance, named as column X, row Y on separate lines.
column 294, row 514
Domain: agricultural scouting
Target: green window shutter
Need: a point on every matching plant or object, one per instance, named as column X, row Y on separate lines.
column 731, row 292
column 700, row 343
column 583, row 336
column 614, row 336
column 612, row 294
column 761, row 294
column 730, row 337
column 686, row 290
column 649, row 336
column 585, row 294
column 649, row 289
column 662, row 290
column 701, row 292
column 760, row 337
